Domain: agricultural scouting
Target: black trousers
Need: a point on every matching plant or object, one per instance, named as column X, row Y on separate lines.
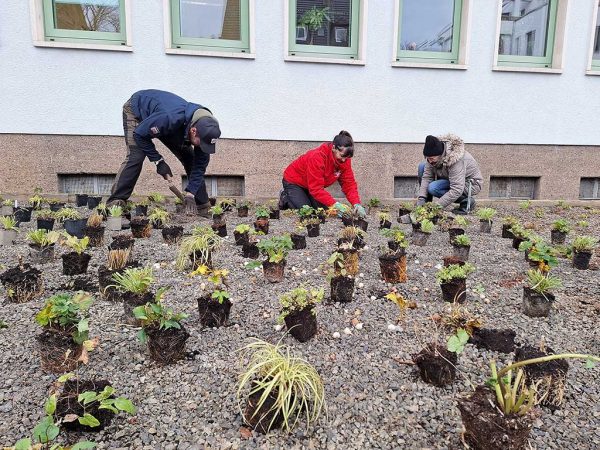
column 295, row 197
column 130, row 169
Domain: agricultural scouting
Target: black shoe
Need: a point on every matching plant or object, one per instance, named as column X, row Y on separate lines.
column 117, row 202
column 462, row 208
column 203, row 210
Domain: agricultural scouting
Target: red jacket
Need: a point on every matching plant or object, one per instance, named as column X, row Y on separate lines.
column 317, row 169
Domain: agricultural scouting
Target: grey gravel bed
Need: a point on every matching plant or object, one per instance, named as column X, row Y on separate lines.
column 373, row 401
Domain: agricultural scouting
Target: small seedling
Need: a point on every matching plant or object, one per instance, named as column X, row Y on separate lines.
column 457, row 343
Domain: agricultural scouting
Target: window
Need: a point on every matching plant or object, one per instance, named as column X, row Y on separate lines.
column 513, row 187
column 324, row 28
column 429, row 31
column 406, row 187
column 221, row 185
column 87, row 21
column 589, row 188
column 85, row 183
column 527, row 33
column 214, row 25
column 595, row 65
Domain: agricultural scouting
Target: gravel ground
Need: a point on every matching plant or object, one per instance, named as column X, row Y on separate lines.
column 373, row 401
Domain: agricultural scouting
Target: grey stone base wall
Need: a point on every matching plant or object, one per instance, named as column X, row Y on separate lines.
column 28, row 161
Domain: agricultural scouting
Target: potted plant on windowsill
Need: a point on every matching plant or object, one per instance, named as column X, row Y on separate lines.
column 298, row 311
column 282, row 389
column 64, row 322
column 162, row 330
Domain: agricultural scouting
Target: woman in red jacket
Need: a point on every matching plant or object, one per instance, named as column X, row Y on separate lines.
column 305, row 179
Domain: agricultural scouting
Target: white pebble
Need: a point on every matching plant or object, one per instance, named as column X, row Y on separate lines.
column 362, row 275
column 278, row 327
column 308, row 258
column 366, row 247
column 337, row 335
column 416, row 261
column 391, row 327
column 304, row 272
column 294, row 268
column 482, row 296
column 156, row 265
column 358, row 326
column 245, row 263
column 315, row 269
column 438, row 266
column 424, row 275
column 361, row 285
column 347, row 330
column 256, row 268
column 373, row 297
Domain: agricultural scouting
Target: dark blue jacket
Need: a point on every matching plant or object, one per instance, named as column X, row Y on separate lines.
column 163, row 116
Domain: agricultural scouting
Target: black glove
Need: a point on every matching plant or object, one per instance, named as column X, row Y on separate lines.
column 163, row 169
column 190, row 206
column 421, row 201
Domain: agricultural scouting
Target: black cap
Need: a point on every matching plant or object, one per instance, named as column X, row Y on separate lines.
column 208, row 129
column 433, row 146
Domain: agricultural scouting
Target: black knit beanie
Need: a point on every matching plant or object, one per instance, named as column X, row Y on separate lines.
column 433, row 146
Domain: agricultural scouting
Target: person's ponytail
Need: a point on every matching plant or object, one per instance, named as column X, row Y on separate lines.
column 344, row 141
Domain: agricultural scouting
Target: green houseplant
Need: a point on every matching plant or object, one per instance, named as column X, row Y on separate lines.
column 485, row 216
column 559, row 230
column 313, row 19
column 275, row 250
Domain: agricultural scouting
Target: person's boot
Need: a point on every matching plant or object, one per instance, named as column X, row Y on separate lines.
column 203, row 210
column 117, row 202
column 462, row 206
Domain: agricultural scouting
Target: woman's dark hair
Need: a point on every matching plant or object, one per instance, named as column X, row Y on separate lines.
column 343, row 141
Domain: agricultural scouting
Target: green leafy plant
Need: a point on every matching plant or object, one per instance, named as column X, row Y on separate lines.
column 460, row 221
column 427, row 226
column 135, row 280
column 525, row 204
column 584, row 243
column 242, row 228
column 561, row 225
column 216, row 210
column 43, row 238
column 115, row 211
column 457, row 342
column 510, row 220
column 220, row 296
column 200, row 245
column 453, row 272
column 36, row 201
column 159, row 217
column 462, row 240
column 306, row 212
column 77, row 245
column 351, row 233
column 542, row 282
column 313, row 19
column 374, row 202
column 102, row 209
column 7, row 202
column 512, row 394
column 67, row 214
column 395, row 234
column 244, row 204
column 295, row 386
column 486, row 214
column 539, row 252
column 156, row 197
column 276, row 248
column 384, row 216
column 583, row 224
column 262, row 212
column 519, row 231
column 67, row 312
column 45, row 214
column 427, row 211
column 562, row 204
column 539, row 213
column 401, row 302
column 8, row 223
column 299, row 299
column 227, row 203
column 157, row 315
column 337, row 266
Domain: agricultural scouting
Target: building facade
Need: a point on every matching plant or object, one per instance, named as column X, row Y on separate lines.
column 516, row 79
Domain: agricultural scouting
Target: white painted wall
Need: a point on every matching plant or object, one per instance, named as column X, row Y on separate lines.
column 64, row 91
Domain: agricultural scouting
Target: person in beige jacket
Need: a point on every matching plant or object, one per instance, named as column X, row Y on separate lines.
column 449, row 174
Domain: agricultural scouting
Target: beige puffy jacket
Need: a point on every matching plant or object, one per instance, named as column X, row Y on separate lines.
column 458, row 167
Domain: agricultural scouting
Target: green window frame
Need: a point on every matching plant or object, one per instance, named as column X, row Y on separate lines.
column 51, row 33
column 325, row 51
column 224, row 45
column 535, row 61
column 432, row 57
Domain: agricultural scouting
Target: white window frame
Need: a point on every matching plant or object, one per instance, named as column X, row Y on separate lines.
column 170, row 50
column 362, row 40
column 589, row 69
column 464, row 42
column 558, row 48
column 39, row 40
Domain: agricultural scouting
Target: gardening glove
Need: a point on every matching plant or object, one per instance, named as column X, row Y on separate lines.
column 358, row 209
column 163, row 169
column 421, row 201
column 341, row 208
column 189, row 203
